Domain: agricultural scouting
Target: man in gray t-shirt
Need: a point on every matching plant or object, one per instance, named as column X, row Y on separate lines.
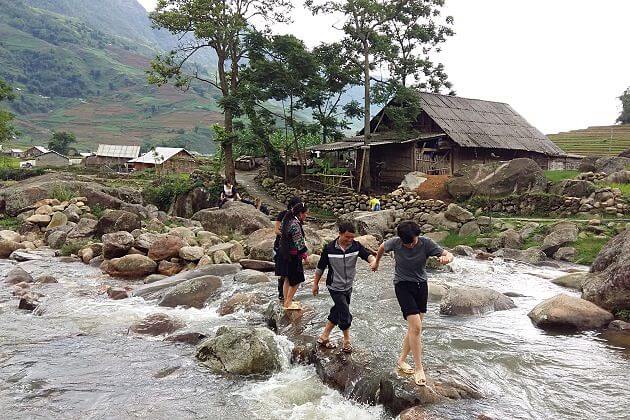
column 410, row 283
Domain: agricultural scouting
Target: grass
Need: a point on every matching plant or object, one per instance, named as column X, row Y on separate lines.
column 588, row 248
column 97, row 210
column 625, row 189
column 557, row 176
column 9, row 162
column 453, row 239
column 70, row 248
column 62, row 193
column 10, row 223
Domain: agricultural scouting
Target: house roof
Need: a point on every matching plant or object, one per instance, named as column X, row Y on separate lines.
column 51, row 152
column 376, row 140
column 162, row 154
column 118, row 151
column 39, row 148
column 477, row 123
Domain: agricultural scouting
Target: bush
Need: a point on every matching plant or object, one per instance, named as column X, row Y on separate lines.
column 17, row 174
column 97, row 210
column 623, row 314
column 556, row 176
column 163, row 192
column 62, row 193
column 10, row 223
column 70, row 248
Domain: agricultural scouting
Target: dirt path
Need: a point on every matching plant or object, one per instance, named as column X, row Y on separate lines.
column 246, row 181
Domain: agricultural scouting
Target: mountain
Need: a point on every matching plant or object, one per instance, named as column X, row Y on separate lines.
column 80, row 66
column 601, row 141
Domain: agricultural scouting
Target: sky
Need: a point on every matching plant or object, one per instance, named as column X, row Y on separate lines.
column 560, row 63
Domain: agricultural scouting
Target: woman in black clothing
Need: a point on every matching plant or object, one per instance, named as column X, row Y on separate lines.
column 292, row 252
column 279, row 271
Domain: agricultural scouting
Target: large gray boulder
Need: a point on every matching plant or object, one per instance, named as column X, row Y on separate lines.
column 531, row 255
column 193, row 293
column 474, row 301
column 573, row 188
column 608, row 284
column 7, row 247
column 260, row 244
column 558, row 238
column 563, row 311
column 117, row 244
column 251, row 277
column 165, row 247
column 571, row 281
column 612, row 164
column 117, row 220
column 241, row 351
column 620, row 177
column 18, row 275
column 233, row 217
column 130, row 266
column 458, row 214
column 85, row 228
column 372, row 223
column 157, row 324
column 498, row 180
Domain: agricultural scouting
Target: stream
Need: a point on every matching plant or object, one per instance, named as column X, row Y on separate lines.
column 78, row 359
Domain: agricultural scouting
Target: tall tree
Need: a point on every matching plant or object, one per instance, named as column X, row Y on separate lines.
column 61, row 142
column 221, row 26
column 7, row 131
column 624, row 117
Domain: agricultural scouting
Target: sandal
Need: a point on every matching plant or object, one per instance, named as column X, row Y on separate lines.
column 347, row 348
column 294, row 307
column 405, row 368
column 419, row 378
column 327, row 344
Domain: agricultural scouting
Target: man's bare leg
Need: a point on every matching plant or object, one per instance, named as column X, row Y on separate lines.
column 327, row 330
column 414, row 337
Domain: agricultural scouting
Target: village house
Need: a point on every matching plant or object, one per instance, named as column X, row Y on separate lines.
column 449, row 133
column 51, row 159
column 16, row 153
column 167, row 159
column 35, row 151
column 113, row 155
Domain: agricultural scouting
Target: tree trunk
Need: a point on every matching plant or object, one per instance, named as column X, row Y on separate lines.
column 228, row 155
column 365, row 176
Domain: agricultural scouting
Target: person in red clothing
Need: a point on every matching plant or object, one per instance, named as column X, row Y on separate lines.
column 291, row 252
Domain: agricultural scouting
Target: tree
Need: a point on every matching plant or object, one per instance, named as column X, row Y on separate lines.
column 624, row 117
column 219, row 25
column 7, row 131
column 390, row 32
column 61, row 141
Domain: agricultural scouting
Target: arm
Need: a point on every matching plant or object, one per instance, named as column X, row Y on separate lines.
column 366, row 255
column 298, row 239
column 377, row 260
column 446, row 257
column 321, row 267
column 277, row 227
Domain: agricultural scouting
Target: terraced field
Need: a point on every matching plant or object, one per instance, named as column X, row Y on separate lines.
column 603, row 141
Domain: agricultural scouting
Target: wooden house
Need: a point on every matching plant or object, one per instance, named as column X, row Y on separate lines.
column 113, row 155
column 168, row 159
column 449, row 132
column 51, row 159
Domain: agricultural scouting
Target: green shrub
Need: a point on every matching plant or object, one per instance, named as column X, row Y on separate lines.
column 625, row 189
column 10, row 223
column 70, row 248
column 556, row 176
column 588, row 248
column 62, row 193
column 97, row 210
column 623, row 314
column 163, row 192
column 18, row 174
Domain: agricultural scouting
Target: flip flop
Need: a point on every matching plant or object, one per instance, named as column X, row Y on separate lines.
column 405, row 368
column 347, row 348
column 294, row 307
column 420, row 378
column 326, row 344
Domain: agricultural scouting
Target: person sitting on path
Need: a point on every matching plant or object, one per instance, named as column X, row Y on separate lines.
column 281, row 269
column 410, row 284
column 292, row 251
column 229, row 193
column 340, row 258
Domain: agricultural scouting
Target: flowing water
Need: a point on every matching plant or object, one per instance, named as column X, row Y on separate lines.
column 78, row 360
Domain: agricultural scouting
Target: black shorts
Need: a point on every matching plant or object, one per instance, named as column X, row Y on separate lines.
column 295, row 273
column 412, row 297
column 340, row 312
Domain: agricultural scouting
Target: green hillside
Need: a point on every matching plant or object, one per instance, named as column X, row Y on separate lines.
column 71, row 76
column 602, row 141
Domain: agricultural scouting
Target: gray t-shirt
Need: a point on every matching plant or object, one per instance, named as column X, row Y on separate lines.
column 410, row 263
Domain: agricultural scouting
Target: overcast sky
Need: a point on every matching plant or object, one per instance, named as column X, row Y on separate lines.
column 560, row 63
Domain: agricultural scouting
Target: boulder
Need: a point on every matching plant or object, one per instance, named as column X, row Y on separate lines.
column 437, row 291
column 568, row 312
column 46, row 280
column 45, row 209
column 117, row 244
column 153, row 278
column 460, row 188
column 167, row 268
column 369, row 242
column 165, row 247
column 193, row 293
column 57, row 219
column 73, row 213
column 130, row 266
column 463, row 250
column 241, row 351
column 470, row 229
column 260, row 244
column 572, row 280
column 612, row 164
column 117, row 220
column 565, row 253
column 233, row 217
column 436, row 236
column 236, row 252
column 191, row 253
column 18, row 275
column 558, row 239
column 185, row 233
column 192, row 338
column 372, row 223
column 264, row 266
column 620, row 177
column 573, row 188
column 220, row 257
column 117, row 293
column 57, row 239
column 531, row 255
column 7, row 247
column 157, row 324
column 251, row 277
column 145, row 240
column 413, row 180
column 207, row 238
column 187, row 204
column 474, row 301
column 39, row 219
column 608, row 285
column 28, row 302
column 511, row 239
column 239, row 301
column 85, row 228
column 439, row 221
column 311, row 262
column 9, row 235
column 458, row 214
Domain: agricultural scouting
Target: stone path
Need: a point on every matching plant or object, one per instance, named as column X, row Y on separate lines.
column 246, row 181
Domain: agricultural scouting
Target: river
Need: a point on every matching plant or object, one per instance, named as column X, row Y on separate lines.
column 78, row 360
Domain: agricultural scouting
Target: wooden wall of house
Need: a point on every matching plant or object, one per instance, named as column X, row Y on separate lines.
column 398, row 160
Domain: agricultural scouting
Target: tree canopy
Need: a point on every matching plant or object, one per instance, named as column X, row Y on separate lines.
column 61, row 142
column 7, row 131
column 624, row 117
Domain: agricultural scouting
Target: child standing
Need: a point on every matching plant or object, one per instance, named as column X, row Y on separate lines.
column 340, row 257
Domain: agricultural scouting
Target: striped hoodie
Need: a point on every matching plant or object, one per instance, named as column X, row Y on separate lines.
column 342, row 265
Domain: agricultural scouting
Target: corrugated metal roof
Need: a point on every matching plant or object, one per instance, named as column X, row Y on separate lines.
column 160, row 154
column 118, row 151
column 477, row 123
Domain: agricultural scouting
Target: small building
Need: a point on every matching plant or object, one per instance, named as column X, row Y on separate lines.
column 167, row 159
column 113, row 155
column 449, row 133
column 51, row 159
column 35, row 151
column 16, row 153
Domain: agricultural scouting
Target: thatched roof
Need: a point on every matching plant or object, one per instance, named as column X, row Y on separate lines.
column 477, row 123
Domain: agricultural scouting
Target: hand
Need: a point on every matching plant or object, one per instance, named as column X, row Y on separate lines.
column 315, row 288
column 374, row 265
column 304, row 256
column 445, row 259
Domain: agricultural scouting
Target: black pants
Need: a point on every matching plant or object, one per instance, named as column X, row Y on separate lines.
column 281, row 288
column 340, row 312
